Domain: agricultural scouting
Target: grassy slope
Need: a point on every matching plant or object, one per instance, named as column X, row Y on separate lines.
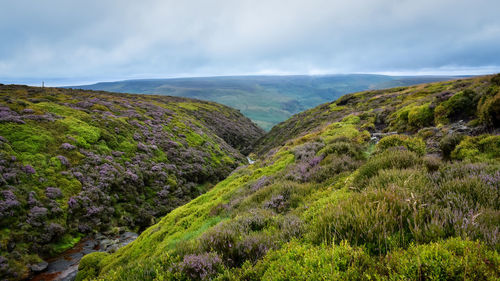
column 73, row 162
column 267, row 100
column 325, row 202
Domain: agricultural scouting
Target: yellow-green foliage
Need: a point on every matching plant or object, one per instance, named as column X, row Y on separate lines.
column 420, row 116
column 84, row 133
column 296, row 261
column 26, row 139
column 335, row 107
column 489, row 107
column 60, row 110
column 89, row 265
column 412, row 117
column 452, row 259
column 414, row 144
column 338, row 129
column 188, row 221
column 321, row 203
column 351, row 119
column 461, row 105
column 67, row 242
column 478, row 148
column 125, row 159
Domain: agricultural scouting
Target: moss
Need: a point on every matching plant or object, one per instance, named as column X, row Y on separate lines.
column 93, row 162
column 351, row 119
column 335, row 107
column 420, row 116
column 61, row 110
column 84, row 133
column 66, row 242
column 413, row 144
column 26, row 139
column 479, row 148
column 336, row 130
column 412, row 117
column 89, row 265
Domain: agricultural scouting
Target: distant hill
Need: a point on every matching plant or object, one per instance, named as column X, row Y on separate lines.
column 266, row 100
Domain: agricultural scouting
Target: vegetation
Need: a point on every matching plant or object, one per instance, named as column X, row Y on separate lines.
column 354, row 189
column 336, row 194
column 266, row 100
column 74, row 162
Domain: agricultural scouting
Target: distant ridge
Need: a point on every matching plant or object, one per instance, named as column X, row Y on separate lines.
column 266, row 100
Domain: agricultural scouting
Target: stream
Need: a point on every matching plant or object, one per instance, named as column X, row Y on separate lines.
column 64, row 267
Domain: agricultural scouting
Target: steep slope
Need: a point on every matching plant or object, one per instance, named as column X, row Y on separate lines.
column 267, row 100
column 403, row 109
column 333, row 197
column 73, row 162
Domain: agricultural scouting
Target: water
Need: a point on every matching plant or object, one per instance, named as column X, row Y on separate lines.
column 65, row 266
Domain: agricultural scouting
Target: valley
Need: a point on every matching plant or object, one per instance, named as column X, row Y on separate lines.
column 266, row 100
column 389, row 184
column 379, row 184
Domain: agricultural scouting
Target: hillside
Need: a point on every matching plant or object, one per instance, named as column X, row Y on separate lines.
column 266, row 100
column 397, row 184
column 74, row 162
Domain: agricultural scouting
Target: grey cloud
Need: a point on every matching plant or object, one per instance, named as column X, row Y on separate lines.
column 102, row 40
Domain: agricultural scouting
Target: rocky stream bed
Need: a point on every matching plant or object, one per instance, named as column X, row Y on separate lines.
column 65, row 266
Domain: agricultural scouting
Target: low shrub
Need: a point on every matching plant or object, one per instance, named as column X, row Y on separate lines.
column 255, row 220
column 448, row 143
column 290, row 227
column 420, row 116
column 378, row 219
column 489, row 109
column 496, row 79
column 200, row 267
column 253, row 247
column 413, row 144
column 388, row 159
column 478, row 148
column 307, row 262
column 453, row 259
column 461, row 105
column 432, row 163
column 220, row 239
column 333, row 165
column 342, row 146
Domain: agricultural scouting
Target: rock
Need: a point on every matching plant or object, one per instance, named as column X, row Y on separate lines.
column 126, row 238
column 460, row 127
column 111, row 249
column 99, row 237
column 65, row 267
column 377, row 136
column 41, row 266
column 108, row 243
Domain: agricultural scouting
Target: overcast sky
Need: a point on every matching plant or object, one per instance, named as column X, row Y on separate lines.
column 71, row 41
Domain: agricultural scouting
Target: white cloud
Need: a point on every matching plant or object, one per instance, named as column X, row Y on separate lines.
column 111, row 39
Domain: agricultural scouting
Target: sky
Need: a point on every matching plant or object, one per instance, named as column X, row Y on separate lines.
column 66, row 42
